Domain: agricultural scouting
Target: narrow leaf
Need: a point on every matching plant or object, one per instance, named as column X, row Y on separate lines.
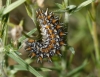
column 72, row 50
column 59, row 5
column 77, row 69
column 19, row 67
column 29, row 33
column 25, row 66
column 13, row 6
column 84, row 4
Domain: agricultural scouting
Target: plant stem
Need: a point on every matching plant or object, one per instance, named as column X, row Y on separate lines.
column 94, row 32
column 4, row 34
column 95, row 39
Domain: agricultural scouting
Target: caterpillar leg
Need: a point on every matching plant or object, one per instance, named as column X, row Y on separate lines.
column 49, row 59
column 58, row 53
column 39, row 59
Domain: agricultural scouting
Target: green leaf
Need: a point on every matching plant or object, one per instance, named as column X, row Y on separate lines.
column 60, row 11
column 59, row 5
column 72, row 50
column 31, row 10
column 66, row 2
column 28, row 9
column 29, row 33
column 34, row 16
column 45, row 69
column 1, row 11
column 24, row 65
column 84, row 4
column 89, row 18
column 69, row 74
column 71, row 7
column 11, row 24
column 19, row 68
column 13, row 6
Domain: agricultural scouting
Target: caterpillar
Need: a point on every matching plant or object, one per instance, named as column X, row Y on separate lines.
column 52, row 37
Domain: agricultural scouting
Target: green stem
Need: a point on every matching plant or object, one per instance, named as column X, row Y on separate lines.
column 94, row 32
column 4, row 25
column 95, row 39
column 4, row 34
column 64, row 61
column 4, row 31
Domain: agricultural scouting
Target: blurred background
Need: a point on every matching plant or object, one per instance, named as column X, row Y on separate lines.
column 84, row 60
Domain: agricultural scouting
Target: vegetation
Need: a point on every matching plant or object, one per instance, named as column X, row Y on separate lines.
column 81, row 56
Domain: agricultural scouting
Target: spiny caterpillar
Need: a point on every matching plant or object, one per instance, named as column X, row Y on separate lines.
column 52, row 37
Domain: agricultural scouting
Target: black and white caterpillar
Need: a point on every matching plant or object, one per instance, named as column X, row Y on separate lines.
column 52, row 37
